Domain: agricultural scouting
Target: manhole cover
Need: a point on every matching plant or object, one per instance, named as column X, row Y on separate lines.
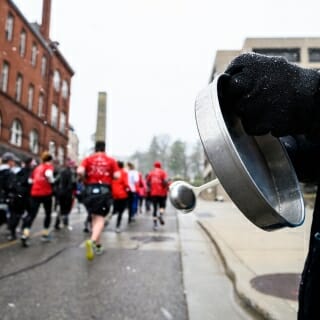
column 146, row 239
column 282, row 285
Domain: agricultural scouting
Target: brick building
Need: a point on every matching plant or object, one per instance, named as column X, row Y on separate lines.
column 35, row 81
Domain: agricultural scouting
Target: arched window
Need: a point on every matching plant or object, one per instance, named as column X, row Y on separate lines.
column 22, row 44
column 65, row 89
column 16, row 133
column 54, row 116
column 9, row 27
column 34, row 53
column 18, row 87
column 4, row 76
column 52, row 148
column 34, row 141
column 56, row 80
column 43, row 66
column 60, row 155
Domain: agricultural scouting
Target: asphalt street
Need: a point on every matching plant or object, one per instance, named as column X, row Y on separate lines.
column 143, row 274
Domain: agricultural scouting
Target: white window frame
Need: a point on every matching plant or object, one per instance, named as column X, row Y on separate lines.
column 40, row 105
column 34, row 53
column 63, row 122
column 16, row 133
column 34, row 141
column 19, row 82
column 56, row 80
column 52, row 148
column 65, row 89
column 54, row 115
column 9, row 27
column 43, row 66
column 60, row 155
column 30, row 97
column 22, row 44
column 5, row 76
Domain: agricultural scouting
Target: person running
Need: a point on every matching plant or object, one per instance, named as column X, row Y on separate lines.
column 8, row 162
column 97, row 170
column 20, row 202
column 158, row 184
column 65, row 191
column 133, row 178
column 120, row 189
column 41, row 193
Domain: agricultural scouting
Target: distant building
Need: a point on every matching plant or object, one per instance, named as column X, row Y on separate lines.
column 35, row 81
column 302, row 51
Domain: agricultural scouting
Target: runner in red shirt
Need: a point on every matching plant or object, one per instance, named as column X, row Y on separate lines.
column 97, row 170
column 158, row 184
column 120, row 189
column 41, row 193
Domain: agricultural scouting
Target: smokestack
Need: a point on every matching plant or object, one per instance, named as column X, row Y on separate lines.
column 46, row 15
column 101, row 117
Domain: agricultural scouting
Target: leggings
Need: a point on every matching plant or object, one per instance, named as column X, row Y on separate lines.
column 35, row 204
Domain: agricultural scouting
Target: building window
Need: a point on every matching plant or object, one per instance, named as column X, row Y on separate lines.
column 40, row 105
column 52, row 148
column 60, row 155
column 34, row 53
column 22, row 44
column 63, row 118
column 65, row 89
column 18, row 87
column 16, row 133
column 30, row 97
column 292, row 54
column 43, row 66
column 9, row 27
column 54, row 116
column 314, row 54
column 34, row 141
column 56, row 80
column 4, row 76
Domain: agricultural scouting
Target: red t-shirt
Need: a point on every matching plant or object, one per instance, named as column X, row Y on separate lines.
column 157, row 182
column 120, row 186
column 40, row 184
column 99, row 168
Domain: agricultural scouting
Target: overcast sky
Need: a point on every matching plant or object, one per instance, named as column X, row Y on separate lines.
column 152, row 57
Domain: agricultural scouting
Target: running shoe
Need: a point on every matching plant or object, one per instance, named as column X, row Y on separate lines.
column 161, row 220
column 98, row 249
column 25, row 238
column 118, row 230
column 89, row 249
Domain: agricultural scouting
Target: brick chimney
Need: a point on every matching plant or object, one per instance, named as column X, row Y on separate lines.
column 46, row 15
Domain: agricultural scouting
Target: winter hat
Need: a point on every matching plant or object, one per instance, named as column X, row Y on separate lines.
column 157, row 164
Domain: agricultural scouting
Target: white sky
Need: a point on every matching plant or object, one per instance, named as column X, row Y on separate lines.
column 152, row 57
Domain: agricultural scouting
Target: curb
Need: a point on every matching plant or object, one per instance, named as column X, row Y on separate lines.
column 262, row 306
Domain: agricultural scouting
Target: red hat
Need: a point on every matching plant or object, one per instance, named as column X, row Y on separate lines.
column 157, row 164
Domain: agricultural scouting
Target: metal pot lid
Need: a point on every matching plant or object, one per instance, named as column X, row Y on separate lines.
column 255, row 171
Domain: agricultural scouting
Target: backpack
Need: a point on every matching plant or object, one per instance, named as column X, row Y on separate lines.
column 65, row 182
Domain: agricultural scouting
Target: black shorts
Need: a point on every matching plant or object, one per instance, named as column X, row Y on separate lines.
column 97, row 199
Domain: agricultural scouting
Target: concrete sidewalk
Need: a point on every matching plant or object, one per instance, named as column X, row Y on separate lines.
column 265, row 267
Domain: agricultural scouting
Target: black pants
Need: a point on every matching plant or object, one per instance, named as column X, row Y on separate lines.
column 119, row 205
column 35, row 205
column 18, row 206
column 65, row 202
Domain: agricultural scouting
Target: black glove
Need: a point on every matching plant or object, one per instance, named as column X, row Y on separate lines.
column 269, row 94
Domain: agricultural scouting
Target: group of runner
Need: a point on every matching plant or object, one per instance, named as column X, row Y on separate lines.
column 105, row 186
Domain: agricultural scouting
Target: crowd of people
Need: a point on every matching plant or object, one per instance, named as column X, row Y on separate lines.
column 105, row 186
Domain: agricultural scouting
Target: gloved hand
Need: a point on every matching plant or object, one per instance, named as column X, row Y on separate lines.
column 270, row 94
